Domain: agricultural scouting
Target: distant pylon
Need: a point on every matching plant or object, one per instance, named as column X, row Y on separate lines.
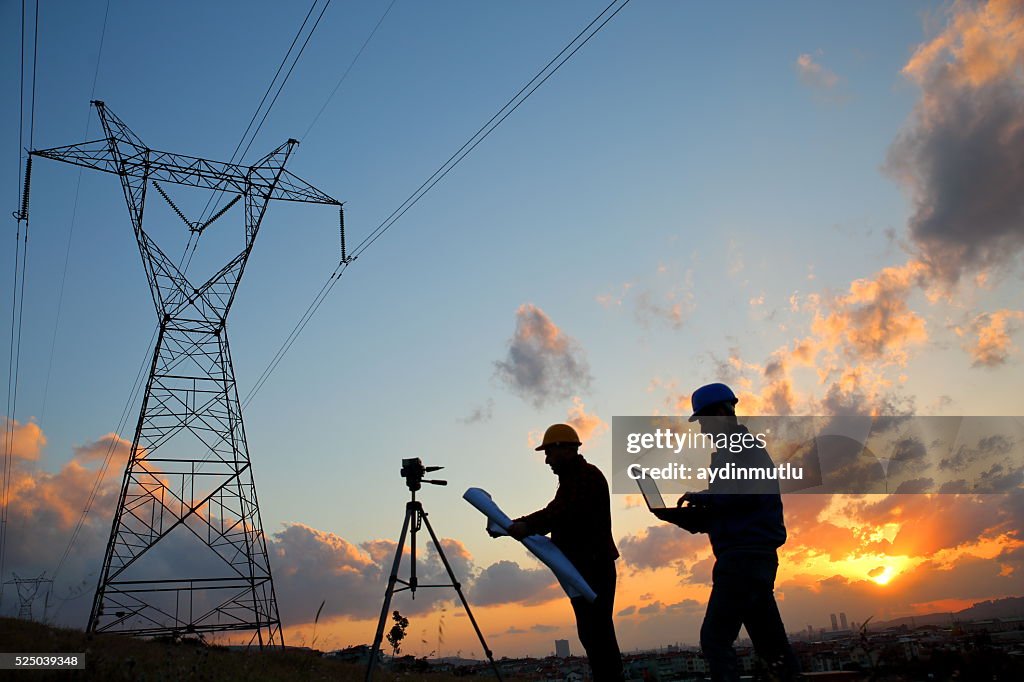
column 28, row 590
column 187, row 552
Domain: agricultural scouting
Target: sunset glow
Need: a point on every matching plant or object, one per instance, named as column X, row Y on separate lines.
column 817, row 204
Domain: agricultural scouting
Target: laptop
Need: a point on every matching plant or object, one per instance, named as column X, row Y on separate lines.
column 652, row 496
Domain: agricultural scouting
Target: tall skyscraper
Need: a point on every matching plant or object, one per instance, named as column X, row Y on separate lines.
column 562, row 648
column 835, row 625
column 842, row 621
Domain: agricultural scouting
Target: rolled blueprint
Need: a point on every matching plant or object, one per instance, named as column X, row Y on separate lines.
column 540, row 546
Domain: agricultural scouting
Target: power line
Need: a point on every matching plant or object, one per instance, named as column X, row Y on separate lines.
column 286, row 77
column 549, row 69
column 9, row 422
column 102, row 472
column 486, row 129
column 336, row 275
column 215, row 198
column 35, row 60
column 296, row 330
column 345, row 74
column 21, row 107
column 74, row 216
column 189, row 251
column 266, row 94
column 18, row 290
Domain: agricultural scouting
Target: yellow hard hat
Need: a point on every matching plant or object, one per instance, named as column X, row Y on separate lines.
column 558, row 434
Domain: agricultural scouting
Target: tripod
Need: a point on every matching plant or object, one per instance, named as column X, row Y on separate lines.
column 415, row 518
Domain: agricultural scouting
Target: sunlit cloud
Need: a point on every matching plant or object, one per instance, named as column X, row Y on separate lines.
column 543, row 362
column 960, row 153
column 873, row 321
column 988, row 337
column 26, row 439
column 663, row 298
column 614, row 300
column 813, row 74
column 588, row 426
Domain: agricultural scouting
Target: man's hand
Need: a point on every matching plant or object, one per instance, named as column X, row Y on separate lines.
column 690, row 518
column 666, row 514
column 693, row 499
column 519, row 530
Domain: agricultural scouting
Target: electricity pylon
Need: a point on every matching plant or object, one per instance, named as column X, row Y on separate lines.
column 187, row 552
column 28, row 589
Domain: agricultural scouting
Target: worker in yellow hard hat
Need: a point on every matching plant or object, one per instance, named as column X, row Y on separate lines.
column 580, row 522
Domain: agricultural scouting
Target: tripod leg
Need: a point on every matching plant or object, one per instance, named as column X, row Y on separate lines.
column 462, row 597
column 387, row 597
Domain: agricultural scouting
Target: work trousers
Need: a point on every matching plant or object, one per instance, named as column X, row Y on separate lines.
column 594, row 621
column 743, row 593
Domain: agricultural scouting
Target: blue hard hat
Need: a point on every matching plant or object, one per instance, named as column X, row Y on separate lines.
column 712, row 394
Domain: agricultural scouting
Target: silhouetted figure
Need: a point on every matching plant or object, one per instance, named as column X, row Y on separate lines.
column 579, row 520
column 743, row 519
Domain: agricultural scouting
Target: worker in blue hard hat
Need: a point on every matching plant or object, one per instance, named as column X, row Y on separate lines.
column 743, row 520
column 580, row 522
column 707, row 398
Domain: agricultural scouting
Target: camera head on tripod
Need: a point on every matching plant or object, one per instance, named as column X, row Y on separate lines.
column 413, row 470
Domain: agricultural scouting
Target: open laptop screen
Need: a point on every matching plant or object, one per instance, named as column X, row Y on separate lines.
column 651, row 493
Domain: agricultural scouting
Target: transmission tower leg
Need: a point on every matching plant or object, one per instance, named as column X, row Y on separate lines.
column 211, row 570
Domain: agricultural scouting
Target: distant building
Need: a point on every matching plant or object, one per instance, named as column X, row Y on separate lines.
column 835, row 624
column 562, row 648
column 842, row 621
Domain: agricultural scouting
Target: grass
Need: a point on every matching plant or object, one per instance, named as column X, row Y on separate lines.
column 112, row 658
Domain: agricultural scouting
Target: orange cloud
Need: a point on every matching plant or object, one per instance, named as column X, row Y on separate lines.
column 853, row 340
column 663, row 297
column 960, row 152
column 992, row 345
column 982, row 43
column 26, row 439
column 659, row 546
column 611, row 300
column 543, row 363
column 588, row 426
column 59, row 497
column 310, row 565
column 815, row 75
column 673, row 307
column 873, row 321
column 110, row 445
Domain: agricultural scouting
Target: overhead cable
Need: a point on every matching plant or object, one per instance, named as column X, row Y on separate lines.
column 344, row 75
column 18, row 290
column 549, row 69
column 74, row 217
column 235, row 155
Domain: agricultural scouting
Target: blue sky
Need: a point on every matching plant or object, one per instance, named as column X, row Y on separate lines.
column 683, row 152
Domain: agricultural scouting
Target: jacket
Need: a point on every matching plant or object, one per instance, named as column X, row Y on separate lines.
column 579, row 517
column 743, row 516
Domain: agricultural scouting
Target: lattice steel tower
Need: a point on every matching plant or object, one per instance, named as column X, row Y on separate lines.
column 187, row 553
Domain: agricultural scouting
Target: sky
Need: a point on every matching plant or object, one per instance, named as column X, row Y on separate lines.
column 817, row 203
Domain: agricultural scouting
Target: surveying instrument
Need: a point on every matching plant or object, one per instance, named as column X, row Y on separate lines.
column 415, row 518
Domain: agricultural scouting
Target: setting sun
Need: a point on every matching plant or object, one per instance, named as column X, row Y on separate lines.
column 884, row 577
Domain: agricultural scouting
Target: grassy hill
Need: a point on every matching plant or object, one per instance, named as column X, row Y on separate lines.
column 112, row 658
